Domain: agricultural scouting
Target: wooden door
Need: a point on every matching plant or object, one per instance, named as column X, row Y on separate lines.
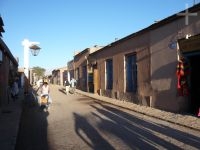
column 96, row 80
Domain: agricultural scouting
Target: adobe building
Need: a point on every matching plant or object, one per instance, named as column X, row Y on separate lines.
column 8, row 69
column 83, row 70
column 70, row 69
column 63, row 75
column 157, row 66
column 59, row 76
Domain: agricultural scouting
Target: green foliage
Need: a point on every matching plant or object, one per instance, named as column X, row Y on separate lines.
column 39, row 71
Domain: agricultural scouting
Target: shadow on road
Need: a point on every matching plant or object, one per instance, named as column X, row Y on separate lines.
column 94, row 139
column 132, row 130
column 62, row 90
column 32, row 133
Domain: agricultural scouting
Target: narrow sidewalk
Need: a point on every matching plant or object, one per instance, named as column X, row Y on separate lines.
column 10, row 115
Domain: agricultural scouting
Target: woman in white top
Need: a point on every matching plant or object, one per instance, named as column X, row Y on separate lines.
column 45, row 90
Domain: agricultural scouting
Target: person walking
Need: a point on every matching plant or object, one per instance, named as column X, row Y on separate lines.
column 67, row 87
column 15, row 89
column 73, row 85
column 73, row 82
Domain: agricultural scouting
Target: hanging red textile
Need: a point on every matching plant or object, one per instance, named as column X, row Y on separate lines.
column 182, row 75
column 198, row 113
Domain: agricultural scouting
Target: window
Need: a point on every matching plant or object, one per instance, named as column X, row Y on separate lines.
column 109, row 74
column 131, row 73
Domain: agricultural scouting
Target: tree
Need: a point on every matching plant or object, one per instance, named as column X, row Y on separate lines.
column 39, row 71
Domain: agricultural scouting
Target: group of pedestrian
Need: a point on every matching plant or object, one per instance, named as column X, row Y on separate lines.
column 45, row 90
column 70, row 86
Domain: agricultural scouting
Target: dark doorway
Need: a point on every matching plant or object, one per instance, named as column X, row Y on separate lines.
column 194, row 60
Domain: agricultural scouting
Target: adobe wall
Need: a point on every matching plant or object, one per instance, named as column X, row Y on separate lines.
column 156, row 62
column 164, row 62
column 117, row 52
column 4, row 81
column 80, row 61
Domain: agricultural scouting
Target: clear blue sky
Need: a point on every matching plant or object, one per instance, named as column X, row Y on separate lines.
column 65, row 26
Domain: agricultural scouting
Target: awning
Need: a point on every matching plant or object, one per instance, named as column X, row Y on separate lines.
column 189, row 45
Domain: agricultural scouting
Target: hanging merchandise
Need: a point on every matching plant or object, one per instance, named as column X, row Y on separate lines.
column 198, row 113
column 182, row 75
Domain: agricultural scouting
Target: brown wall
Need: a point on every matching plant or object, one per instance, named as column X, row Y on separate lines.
column 117, row 52
column 164, row 61
column 156, row 62
column 8, row 72
column 80, row 61
column 4, row 74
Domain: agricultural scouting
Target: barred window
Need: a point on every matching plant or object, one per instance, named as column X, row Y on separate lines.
column 131, row 73
column 109, row 74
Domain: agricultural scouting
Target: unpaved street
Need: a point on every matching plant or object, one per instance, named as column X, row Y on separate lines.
column 76, row 122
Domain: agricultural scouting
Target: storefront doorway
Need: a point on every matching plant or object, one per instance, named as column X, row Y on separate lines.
column 194, row 61
column 190, row 48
